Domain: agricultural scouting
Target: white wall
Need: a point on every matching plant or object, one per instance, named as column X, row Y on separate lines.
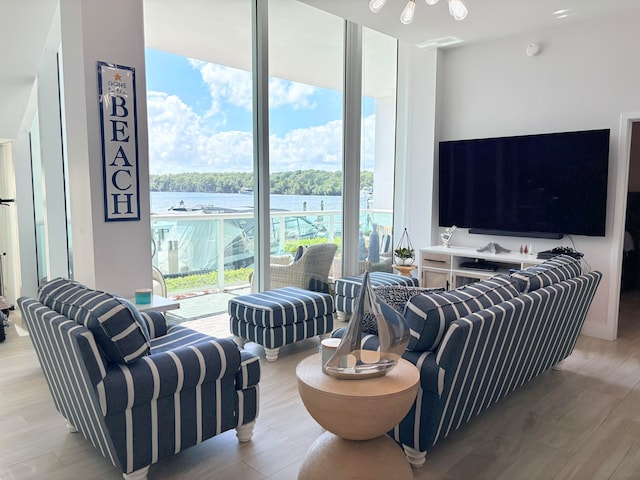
column 110, row 256
column 415, row 147
column 585, row 77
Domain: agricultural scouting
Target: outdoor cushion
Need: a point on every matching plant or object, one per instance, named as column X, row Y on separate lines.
column 114, row 322
column 556, row 269
column 429, row 315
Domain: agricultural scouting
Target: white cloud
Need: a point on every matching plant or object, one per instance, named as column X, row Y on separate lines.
column 181, row 140
column 234, row 86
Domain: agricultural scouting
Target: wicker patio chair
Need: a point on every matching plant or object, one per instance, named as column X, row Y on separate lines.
column 310, row 271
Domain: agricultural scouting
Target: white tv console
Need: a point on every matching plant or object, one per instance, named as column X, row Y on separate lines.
column 442, row 266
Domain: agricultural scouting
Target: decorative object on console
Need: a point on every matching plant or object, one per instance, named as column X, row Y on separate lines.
column 404, row 252
column 457, row 9
column 446, row 236
column 494, row 248
column 554, row 252
column 393, row 332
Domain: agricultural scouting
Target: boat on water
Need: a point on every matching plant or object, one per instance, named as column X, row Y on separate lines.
column 184, row 208
column 246, row 191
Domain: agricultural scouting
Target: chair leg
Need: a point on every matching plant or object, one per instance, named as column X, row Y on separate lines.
column 71, row 428
column 416, row 457
column 245, row 432
column 140, row 474
column 343, row 316
column 271, row 354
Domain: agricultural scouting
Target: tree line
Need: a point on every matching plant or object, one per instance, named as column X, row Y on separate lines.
column 299, row 182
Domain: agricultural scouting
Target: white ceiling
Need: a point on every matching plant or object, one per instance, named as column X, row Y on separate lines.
column 192, row 28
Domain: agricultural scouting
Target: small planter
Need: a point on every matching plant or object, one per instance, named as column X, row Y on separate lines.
column 403, row 260
column 404, row 253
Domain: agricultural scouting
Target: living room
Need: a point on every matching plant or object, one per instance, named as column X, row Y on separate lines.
column 583, row 78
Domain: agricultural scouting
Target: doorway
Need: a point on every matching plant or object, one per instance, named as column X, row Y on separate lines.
column 630, row 269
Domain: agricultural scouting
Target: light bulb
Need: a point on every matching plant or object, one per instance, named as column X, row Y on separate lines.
column 407, row 13
column 457, row 9
column 376, row 5
column 431, row 2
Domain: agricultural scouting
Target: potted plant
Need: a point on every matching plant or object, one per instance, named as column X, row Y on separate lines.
column 404, row 253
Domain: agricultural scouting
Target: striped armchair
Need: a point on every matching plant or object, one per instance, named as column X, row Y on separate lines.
column 137, row 389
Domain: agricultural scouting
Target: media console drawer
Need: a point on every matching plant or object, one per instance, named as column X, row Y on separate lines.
column 436, row 260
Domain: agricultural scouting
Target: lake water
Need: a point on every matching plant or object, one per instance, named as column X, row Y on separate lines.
column 161, row 202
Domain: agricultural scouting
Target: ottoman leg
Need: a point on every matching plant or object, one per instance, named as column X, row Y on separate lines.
column 271, row 354
column 239, row 341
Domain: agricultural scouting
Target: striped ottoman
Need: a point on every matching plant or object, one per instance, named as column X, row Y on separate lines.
column 347, row 289
column 280, row 317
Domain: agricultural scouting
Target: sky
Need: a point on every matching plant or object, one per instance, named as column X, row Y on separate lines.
column 200, row 120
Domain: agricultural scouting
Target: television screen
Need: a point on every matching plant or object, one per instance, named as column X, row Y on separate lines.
column 533, row 185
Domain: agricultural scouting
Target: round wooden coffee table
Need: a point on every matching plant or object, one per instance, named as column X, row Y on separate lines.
column 357, row 415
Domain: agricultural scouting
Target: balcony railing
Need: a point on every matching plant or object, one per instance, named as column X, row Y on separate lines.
column 218, row 249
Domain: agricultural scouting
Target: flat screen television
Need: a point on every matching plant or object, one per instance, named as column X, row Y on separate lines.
column 543, row 185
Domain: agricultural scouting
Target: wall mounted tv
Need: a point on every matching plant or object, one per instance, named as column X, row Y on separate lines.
column 541, row 186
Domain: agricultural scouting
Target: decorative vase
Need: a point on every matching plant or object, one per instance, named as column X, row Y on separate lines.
column 350, row 361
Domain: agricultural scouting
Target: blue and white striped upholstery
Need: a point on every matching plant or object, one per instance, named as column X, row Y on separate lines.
column 281, row 317
column 189, row 387
column 488, row 354
column 282, row 306
column 429, row 315
column 556, row 269
column 115, row 323
column 347, row 288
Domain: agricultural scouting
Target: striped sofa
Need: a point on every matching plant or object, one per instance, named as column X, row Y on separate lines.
column 476, row 344
column 137, row 389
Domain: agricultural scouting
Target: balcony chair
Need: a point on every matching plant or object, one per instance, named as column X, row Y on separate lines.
column 309, row 272
column 159, row 284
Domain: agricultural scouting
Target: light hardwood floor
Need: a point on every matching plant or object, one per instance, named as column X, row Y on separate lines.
column 578, row 421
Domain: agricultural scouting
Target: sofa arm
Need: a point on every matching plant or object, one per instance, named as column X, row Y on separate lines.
column 166, row 373
column 156, row 323
column 249, row 373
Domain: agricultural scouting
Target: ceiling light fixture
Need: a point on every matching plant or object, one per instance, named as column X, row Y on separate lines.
column 457, row 9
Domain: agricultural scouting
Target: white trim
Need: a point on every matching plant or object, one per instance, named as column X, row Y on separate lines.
column 617, row 234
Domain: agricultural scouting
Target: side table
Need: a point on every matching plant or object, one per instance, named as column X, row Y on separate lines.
column 357, row 415
column 158, row 303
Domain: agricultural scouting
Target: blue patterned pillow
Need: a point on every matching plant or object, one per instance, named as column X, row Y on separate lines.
column 554, row 270
column 396, row 296
column 429, row 316
column 112, row 321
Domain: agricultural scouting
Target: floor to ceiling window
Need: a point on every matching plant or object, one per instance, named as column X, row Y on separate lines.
column 305, row 127
column 201, row 161
column 377, row 159
column 201, row 145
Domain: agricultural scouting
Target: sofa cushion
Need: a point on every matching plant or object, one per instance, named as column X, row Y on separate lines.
column 429, row 315
column 556, row 269
column 112, row 321
column 396, row 296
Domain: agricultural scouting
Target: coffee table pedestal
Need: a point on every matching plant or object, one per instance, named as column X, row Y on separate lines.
column 357, row 415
